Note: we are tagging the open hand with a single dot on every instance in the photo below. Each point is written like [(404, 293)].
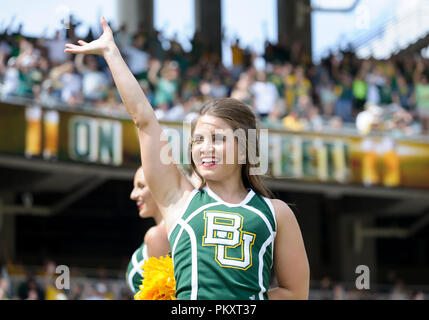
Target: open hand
[(99, 46)]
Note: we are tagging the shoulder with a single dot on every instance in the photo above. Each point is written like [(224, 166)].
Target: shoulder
[(155, 234), (178, 205), (282, 211), (156, 240), (155, 231)]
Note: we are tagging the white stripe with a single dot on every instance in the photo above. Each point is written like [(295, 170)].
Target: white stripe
[(184, 226), (262, 216), (138, 265), (231, 205), (185, 207), (193, 214), (137, 268), (273, 212), (130, 281), (214, 196), (263, 249), (194, 279), (261, 267)]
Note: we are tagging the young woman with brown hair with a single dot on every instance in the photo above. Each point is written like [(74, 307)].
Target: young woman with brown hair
[(227, 235)]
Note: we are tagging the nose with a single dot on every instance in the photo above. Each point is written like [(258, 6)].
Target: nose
[(207, 147), (133, 195)]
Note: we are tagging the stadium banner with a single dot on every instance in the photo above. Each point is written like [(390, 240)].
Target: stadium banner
[(76, 136)]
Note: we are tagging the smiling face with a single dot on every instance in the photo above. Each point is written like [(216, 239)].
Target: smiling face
[(143, 197), (225, 145), (215, 150)]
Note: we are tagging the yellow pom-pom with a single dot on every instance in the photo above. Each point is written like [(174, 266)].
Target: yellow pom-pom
[(158, 280)]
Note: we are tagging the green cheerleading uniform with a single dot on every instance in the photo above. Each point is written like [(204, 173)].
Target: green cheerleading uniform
[(223, 251), (134, 274)]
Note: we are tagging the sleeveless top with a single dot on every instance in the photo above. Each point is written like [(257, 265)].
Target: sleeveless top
[(134, 273), (223, 251)]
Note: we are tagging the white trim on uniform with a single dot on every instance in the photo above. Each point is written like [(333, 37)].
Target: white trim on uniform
[(194, 277), (219, 199), (137, 267), (185, 226), (261, 266), (273, 212), (193, 214), (262, 216), (145, 254), (267, 242), (185, 207)]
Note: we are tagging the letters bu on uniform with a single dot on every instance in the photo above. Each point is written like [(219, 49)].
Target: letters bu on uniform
[(224, 231)]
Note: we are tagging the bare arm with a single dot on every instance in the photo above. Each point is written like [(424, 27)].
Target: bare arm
[(166, 182), (157, 241), (290, 259)]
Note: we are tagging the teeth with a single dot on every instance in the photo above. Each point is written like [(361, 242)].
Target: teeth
[(210, 161), (140, 203)]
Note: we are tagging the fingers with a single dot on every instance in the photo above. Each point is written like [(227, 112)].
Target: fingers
[(71, 48), (104, 24)]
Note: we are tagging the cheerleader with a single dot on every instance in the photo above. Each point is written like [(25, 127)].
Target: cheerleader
[(227, 234)]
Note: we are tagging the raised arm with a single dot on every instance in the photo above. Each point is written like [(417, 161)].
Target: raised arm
[(166, 182)]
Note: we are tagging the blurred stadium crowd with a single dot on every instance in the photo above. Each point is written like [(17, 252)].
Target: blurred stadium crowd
[(283, 86), (19, 283), (287, 91)]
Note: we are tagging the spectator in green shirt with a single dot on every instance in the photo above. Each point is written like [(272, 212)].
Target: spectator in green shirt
[(360, 88), (422, 102)]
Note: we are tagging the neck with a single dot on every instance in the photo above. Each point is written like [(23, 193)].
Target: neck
[(229, 191), (157, 217)]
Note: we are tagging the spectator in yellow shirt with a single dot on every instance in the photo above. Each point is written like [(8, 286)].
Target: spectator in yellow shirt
[(237, 59), (296, 85), (292, 122)]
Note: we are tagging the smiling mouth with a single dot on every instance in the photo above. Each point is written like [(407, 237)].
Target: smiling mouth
[(208, 163), (140, 205)]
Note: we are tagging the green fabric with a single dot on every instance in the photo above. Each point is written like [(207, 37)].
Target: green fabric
[(165, 91), (133, 276), (359, 89), (26, 82), (229, 248), (422, 96)]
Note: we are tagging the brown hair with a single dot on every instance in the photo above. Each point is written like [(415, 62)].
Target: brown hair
[(238, 116)]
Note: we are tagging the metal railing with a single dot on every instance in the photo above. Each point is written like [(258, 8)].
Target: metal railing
[(366, 41)]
